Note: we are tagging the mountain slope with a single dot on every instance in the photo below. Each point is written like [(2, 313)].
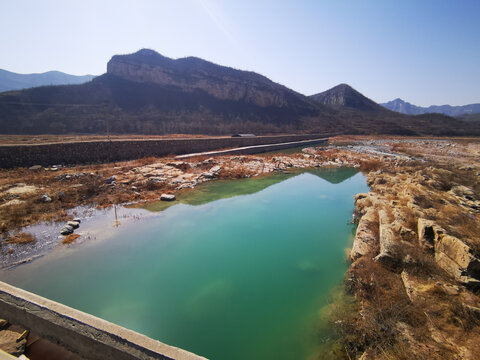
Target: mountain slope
[(13, 81), (149, 93), (346, 96), (404, 107)]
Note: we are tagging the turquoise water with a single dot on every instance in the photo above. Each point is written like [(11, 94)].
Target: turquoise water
[(242, 277)]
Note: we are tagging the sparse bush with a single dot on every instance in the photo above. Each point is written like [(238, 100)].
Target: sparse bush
[(20, 238)]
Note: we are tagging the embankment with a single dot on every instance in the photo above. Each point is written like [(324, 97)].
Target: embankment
[(117, 150)]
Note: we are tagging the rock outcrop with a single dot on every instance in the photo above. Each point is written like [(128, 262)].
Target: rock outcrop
[(387, 242), (366, 236), (451, 254)]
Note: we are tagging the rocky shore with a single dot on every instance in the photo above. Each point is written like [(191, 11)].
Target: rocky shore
[(415, 271)]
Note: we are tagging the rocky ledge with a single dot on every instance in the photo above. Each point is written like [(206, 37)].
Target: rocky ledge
[(415, 269)]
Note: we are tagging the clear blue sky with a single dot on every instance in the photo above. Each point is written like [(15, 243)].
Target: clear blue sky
[(424, 51)]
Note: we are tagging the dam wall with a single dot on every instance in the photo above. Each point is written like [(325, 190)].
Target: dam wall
[(118, 150)]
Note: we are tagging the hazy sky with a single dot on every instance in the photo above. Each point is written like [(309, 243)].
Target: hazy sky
[(423, 51)]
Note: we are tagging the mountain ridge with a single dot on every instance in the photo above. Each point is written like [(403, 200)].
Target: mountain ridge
[(14, 81), (405, 107), (148, 93)]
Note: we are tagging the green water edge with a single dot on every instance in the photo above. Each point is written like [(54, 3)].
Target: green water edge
[(339, 305), (311, 337)]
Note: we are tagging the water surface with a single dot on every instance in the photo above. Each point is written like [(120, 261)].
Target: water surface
[(237, 271)]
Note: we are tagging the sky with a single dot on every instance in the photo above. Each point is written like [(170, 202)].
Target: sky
[(426, 52)]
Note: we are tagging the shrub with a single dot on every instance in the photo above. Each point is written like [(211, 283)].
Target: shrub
[(21, 238)]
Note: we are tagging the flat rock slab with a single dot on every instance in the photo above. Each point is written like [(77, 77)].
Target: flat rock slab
[(22, 189)]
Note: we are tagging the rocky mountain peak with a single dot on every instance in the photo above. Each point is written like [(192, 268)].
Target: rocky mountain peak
[(346, 96)]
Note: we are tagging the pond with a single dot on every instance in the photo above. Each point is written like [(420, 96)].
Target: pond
[(235, 270)]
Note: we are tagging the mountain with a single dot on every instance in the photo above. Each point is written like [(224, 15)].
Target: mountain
[(346, 96), (147, 93), (404, 107), (13, 81), (191, 74)]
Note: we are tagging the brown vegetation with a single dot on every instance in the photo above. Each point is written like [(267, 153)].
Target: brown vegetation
[(70, 238), (20, 238)]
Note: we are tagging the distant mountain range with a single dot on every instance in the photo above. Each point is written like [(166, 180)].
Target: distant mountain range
[(404, 107), (148, 93), (13, 81)]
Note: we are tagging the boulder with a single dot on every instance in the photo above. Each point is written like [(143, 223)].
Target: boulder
[(45, 198), (215, 170), (35, 167), (110, 180), (457, 258), (61, 196), (73, 224), (167, 197), (66, 230)]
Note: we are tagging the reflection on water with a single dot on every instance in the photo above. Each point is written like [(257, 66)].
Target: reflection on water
[(229, 277), (222, 189)]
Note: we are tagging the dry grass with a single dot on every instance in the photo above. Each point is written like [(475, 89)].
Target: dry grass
[(21, 238), (371, 165), (70, 238)]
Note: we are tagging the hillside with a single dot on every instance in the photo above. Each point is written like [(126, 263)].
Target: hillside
[(147, 93), (404, 107), (346, 96), (13, 81)]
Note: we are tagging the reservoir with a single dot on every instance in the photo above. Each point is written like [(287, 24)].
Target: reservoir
[(234, 270)]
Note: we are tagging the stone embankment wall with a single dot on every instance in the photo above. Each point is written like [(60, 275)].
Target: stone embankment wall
[(83, 334), (107, 151)]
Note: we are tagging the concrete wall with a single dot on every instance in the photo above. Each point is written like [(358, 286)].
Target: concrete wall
[(258, 148), (107, 151), (81, 333)]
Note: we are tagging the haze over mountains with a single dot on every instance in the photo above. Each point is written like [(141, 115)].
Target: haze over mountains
[(13, 81), (406, 108), (148, 93)]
